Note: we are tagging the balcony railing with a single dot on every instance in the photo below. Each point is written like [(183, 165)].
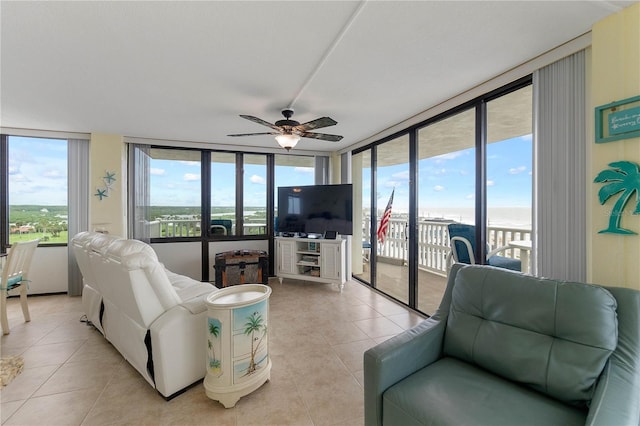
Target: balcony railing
[(433, 242), (433, 239)]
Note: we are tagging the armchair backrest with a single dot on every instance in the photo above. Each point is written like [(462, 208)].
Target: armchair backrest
[(458, 233), (553, 336)]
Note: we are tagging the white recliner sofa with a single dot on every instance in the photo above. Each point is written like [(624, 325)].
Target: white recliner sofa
[(155, 318)]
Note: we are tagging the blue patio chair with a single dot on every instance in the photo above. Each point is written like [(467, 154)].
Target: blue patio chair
[(221, 226), (463, 244)]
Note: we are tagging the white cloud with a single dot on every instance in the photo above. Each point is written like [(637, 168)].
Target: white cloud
[(517, 170), (55, 174), (401, 175), (257, 180), (438, 188), (448, 156), (191, 163), (190, 177), (157, 172), (490, 182), (470, 196)]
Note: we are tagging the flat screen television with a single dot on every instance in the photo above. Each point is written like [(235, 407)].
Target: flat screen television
[(315, 209)]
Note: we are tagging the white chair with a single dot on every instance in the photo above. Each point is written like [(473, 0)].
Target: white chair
[(15, 274)]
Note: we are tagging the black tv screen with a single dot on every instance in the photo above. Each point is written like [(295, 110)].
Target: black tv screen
[(315, 209)]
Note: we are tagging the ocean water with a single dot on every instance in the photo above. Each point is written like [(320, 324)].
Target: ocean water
[(517, 217)]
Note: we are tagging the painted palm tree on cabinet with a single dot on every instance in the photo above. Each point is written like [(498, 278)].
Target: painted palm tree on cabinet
[(623, 178), (255, 324), (214, 363)]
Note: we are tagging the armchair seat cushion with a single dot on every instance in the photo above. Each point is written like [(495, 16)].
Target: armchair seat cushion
[(454, 392), (505, 262)]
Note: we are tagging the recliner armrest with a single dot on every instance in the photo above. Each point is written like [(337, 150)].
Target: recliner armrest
[(397, 358), (617, 396)]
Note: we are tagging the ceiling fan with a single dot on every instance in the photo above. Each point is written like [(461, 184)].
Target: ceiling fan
[(288, 132)]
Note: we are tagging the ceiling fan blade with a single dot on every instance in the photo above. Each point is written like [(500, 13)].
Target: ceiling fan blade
[(322, 136), (316, 124), (255, 134), (260, 121)]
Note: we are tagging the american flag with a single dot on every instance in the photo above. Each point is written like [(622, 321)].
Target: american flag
[(384, 222)]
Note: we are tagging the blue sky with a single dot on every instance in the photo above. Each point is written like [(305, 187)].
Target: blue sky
[(37, 171), (38, 174), (449, 180), (177, 183)]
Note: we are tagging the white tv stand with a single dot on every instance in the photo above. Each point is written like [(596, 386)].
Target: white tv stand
[(311, 259)]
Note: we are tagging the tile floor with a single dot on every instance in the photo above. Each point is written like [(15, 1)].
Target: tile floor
[(73, 376)]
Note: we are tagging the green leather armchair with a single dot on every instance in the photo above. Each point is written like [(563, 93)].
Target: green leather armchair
[(510, 349)]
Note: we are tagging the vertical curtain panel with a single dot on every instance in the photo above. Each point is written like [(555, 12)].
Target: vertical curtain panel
[(139, 195), (78, 204), (560, 183)]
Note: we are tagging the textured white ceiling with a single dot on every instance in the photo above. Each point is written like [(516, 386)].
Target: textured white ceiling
[(186, 70)]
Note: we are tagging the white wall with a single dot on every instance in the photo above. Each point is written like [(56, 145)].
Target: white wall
[(48, 273), (181, 258), (185, 258)]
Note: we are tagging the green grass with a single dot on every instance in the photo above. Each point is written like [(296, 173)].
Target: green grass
[(47, 238)]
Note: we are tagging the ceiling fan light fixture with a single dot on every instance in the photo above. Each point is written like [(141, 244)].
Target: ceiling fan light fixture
[(287, 140)]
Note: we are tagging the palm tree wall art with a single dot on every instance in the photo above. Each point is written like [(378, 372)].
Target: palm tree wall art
[(622, 178)]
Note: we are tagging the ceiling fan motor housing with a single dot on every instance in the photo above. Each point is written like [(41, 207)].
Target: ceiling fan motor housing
[(287, 123)]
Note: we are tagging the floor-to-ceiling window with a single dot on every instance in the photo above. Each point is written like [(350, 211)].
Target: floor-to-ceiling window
[(37, 190), (189, 195), (362, 240), (254, 216), (174, 193), (510, 174), (446, 194), (223, 194), (391, 227), (472, 166)]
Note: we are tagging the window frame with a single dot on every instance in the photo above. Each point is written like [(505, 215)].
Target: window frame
[(479, 104), (4, 190)]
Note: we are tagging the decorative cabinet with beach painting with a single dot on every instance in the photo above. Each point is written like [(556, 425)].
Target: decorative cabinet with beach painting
[(237, 342)]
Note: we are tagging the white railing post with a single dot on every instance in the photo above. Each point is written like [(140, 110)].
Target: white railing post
[(433, 242)]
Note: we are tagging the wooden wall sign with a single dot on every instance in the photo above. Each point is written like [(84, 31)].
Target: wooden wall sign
[(618, 120)]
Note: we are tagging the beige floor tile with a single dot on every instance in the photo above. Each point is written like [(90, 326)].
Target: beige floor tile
[(378, 327), (8, 408), (27, 383), (87, 375), (317, 339), (339, 399), (68, 408), (127, 401), (337, 331), (277, 402), (96, 349), (194, 408), (52, 354), (351, 353), (406, 320)]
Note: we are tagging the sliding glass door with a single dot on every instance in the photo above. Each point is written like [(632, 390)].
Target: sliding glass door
[(446, 194), (468, 166), (392, 218)]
